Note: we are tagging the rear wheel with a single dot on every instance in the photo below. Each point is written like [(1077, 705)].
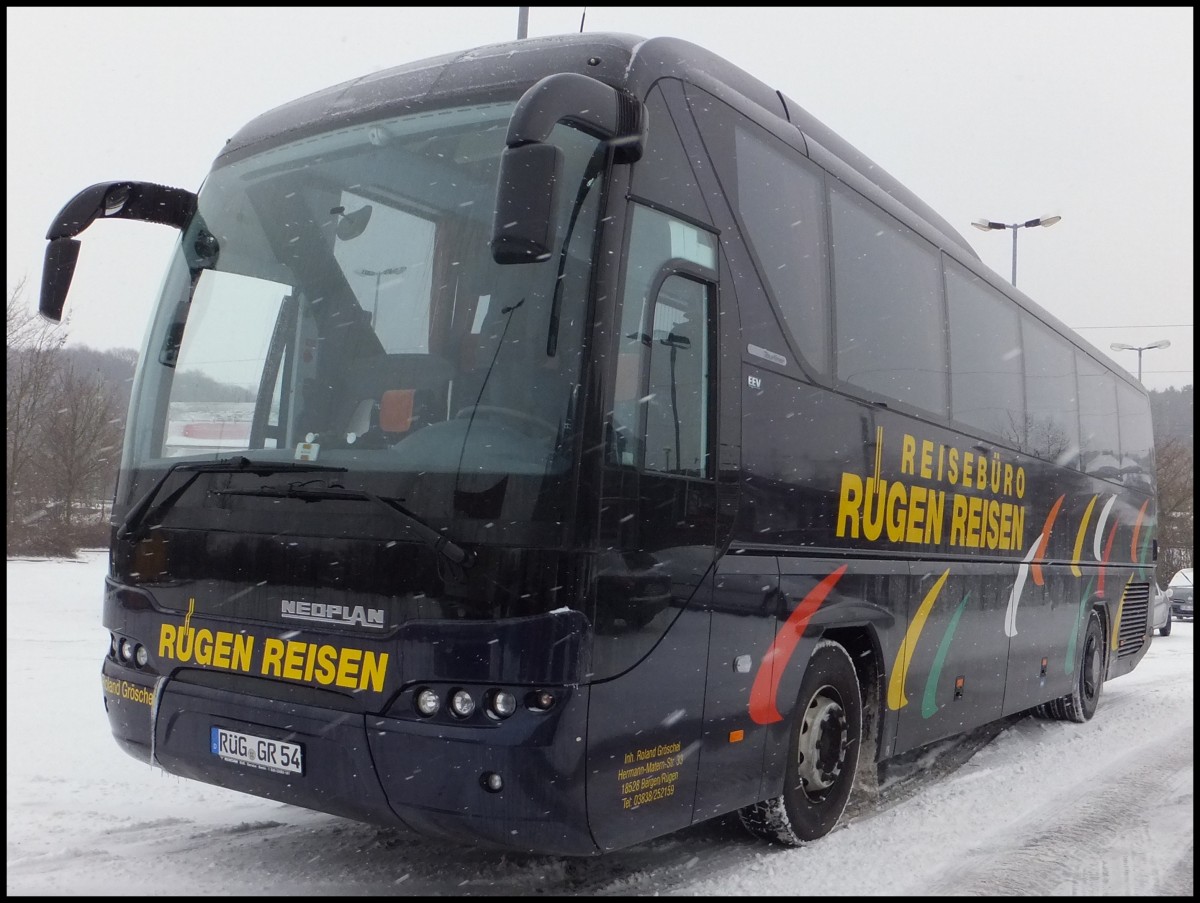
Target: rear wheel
[(823, 752), (1080, 704), (1165, 630)]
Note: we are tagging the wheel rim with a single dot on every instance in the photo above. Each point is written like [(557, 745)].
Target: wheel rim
[(824, 738), (1092, 663)]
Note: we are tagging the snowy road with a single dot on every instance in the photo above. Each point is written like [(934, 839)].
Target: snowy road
[(1024, 808)]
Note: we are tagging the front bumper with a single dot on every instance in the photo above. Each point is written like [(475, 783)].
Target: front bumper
[(390, 771)]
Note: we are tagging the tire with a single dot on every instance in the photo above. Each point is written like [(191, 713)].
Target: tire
[(1165, 630), (823, 750), (1080, 704)]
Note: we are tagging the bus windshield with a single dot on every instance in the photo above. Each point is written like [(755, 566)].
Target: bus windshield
[(334, 300)]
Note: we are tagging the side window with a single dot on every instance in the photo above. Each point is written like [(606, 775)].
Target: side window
[(1051, 400), (662, 403), (1137, 435), (889, 319), (1099, 436), (779, 198), (677, 396), (986, 369), (781, 201)]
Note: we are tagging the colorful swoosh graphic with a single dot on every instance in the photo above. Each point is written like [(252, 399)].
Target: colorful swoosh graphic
[(763, 706), (1014, 597), (895, 694), (929, 704)]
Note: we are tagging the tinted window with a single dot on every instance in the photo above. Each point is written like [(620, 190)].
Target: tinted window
[(1099, 439), (1051, 404), (986, 370), (780, 200), (889, 326), (1137, 434)]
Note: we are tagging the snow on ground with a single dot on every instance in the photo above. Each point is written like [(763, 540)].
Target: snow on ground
[(1025, 807)]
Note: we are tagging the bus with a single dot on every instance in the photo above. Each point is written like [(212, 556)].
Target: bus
[(556, 444)]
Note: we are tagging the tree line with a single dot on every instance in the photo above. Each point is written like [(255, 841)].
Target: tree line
[(66, 419)]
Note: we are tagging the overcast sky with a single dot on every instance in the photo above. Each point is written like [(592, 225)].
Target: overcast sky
[(1004, 114)]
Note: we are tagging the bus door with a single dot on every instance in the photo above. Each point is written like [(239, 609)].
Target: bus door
[(657, 537)]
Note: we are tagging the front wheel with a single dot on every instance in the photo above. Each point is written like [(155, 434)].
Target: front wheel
[(823, 752), (1165, 630)]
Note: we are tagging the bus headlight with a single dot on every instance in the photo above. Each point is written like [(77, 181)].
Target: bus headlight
[(428, 702), (461, 703), (127, 650), (501, 703), (141, 655)]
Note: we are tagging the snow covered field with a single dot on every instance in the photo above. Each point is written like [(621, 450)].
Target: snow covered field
[(1026, 807)]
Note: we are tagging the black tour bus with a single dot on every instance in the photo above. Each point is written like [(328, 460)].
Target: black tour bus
[(559, 443)]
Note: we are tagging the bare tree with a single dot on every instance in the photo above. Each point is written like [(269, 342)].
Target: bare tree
[(33, 346), (1175, 460), (82, 440)]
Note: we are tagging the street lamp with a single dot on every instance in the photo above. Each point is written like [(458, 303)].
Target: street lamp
[(379, 274), (987, 225), (1121, 346)]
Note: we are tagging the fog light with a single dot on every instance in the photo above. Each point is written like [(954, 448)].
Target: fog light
[(428, 702), (141, 656), (502, 703), (461, 703), (541, 700), (491, 781), (112, 645), (126, 650)]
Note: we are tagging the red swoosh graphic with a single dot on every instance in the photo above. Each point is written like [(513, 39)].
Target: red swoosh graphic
[(1036, 569), (1137, 529), (766, 682), (1112, 534)]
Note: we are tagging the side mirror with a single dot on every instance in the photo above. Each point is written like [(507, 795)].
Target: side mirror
[(142, 201), (530, 169), (524, 224)]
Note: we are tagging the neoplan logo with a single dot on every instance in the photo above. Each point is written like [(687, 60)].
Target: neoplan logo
[(341, 615)]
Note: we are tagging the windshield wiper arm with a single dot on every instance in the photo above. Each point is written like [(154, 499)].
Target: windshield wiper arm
[(443, 545), (140, 513)]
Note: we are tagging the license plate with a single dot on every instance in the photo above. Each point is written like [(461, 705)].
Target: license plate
[(258, 752)]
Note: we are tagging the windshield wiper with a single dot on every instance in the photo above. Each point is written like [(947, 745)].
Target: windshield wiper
[(443, 545), (140, 513)]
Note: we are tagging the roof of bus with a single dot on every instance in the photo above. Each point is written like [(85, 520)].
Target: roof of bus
[(626, 61)]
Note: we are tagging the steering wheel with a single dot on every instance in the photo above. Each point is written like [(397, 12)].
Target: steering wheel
[(520, 417)]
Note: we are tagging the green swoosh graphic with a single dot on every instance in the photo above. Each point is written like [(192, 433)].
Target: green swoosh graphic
[(929, 700), (1087, 593)]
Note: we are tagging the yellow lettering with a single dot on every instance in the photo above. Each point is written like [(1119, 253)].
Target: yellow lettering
[(166, 641), (848, 504), (933, 522), (927, 459), (908, 449), (347, 670), (373, 671), (916, 512), (243, 649), (326, 669), (952, 474), (220, 654), (293, 660), (204, 641), (309, 660), (896, 512), (272, 660), (874, 509), (974, 521), (958, 521)]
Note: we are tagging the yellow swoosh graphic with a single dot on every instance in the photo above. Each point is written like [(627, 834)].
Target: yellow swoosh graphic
[(896, 698)]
